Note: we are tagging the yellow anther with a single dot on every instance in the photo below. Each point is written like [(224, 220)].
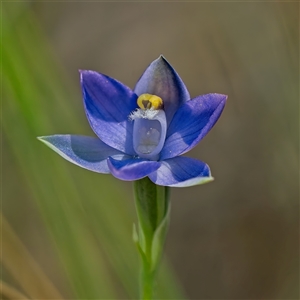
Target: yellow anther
[(147, 101)]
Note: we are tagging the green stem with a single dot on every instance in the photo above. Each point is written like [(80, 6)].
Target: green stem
[(147, 282), (152, 206)]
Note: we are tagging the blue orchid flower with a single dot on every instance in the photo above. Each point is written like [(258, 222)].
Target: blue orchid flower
[(142, 132)]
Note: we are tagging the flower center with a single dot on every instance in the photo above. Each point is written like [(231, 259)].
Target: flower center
[(150, 126)]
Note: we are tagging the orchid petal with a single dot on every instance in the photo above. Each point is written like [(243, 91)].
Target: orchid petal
[(87, 152), (181, 172), (132, 169), (191, 123), (162, 80), (108, 103)]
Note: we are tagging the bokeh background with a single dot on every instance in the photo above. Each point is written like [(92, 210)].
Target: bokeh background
[(66, 232)]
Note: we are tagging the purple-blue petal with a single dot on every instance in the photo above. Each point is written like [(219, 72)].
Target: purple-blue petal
[(87, 152), (132, 169), (108, 104), (192, 121), (162, 80), (181, 172)]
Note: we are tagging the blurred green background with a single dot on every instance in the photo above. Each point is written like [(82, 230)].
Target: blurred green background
[(235, 238)]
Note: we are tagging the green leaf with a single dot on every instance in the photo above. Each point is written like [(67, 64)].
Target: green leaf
[(160, 237)]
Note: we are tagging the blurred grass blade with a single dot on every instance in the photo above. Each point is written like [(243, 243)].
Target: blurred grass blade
[(50, 184), (8, 292), (17, 260)]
